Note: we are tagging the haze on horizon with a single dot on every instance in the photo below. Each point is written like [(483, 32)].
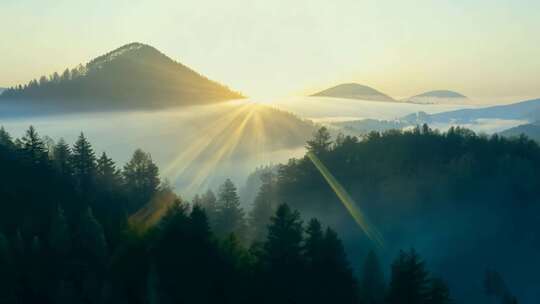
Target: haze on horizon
[(487, 50)]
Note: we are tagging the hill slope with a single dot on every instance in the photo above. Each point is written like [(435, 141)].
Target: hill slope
[(532, 131), (354, 91), (133, 76)]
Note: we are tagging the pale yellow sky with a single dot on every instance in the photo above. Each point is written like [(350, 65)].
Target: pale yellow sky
[(488, 50)]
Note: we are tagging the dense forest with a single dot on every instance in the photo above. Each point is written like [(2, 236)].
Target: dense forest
[(76, 228), (468, 202), (125, 78)]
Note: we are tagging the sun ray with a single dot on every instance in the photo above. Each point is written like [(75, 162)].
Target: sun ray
[(351, 206)]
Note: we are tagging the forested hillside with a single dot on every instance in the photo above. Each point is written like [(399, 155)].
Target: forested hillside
[(462, 199), (133, 76), (75, 228)]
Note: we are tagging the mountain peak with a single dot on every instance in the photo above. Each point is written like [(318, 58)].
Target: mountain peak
[(132, 76), (353, 90), (437, 96), (441, 94)]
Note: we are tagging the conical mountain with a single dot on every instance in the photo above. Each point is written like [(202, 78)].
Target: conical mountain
[(438, 96), (133, 76), (354, 91)]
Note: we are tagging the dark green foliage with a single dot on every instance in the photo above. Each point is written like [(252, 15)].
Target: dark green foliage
[(141, 177), (321, 141), (83, 162), (264, 206), (438, 292), (66, 239), (409, 282), (372, 284), (229, 215)]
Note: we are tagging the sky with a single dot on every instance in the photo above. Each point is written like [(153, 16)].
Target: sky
[(487, 50)]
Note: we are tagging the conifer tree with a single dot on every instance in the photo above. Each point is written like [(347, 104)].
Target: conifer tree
[(372, 285), (208, 202), (141, 177), (409, 281), (264, 206), (5, 139), (106, 172), (61, 156), (282, 260), (230, 216), (321, 142), (33, 147), (83, 162)]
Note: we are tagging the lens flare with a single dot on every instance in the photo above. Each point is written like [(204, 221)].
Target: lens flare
[(358, 216)]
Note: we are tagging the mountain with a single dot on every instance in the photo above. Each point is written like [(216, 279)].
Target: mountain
[(531, 130), (2, 89), (133, 76), (438, 96), (525, 110), (354, 91)]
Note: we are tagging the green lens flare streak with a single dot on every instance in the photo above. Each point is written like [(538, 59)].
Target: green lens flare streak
[(347, 201)]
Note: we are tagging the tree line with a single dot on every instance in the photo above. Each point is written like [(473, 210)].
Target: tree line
[(442, 191), (68, 234)]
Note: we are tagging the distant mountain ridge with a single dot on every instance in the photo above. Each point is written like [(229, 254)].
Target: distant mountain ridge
[(132, 76), (354, 91), (524, 110), (531, 130), (437, 96)]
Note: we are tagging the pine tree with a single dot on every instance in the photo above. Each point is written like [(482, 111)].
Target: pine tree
[(141, 177), (372, 285), (321, 142), (283, 244), (230, 216), (62, 158), (264, 206), (208, 202), (5, 139), (199, 223), (33, 147), (409, 282), (282, 260), (83, 162), (314, 241), (106, 172)]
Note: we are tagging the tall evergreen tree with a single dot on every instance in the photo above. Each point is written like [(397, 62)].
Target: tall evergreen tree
[(282, 259), (83, 162), (321, 141), (208, 202), (230, 216), (61, 156), (106, 172), (264, 206), (409, 282), (141, 177), (33, 147), (5, 138), (372, 284)]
